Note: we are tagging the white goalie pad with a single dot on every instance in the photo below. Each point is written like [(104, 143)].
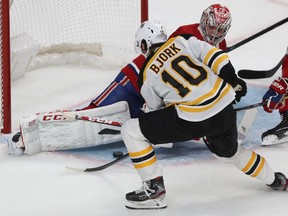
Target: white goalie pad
[(51, 131)]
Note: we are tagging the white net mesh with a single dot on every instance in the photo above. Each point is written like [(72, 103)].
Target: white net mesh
[(83, 31), (84, 24)]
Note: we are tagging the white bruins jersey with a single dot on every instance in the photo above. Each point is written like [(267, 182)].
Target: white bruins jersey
[(184, 73)]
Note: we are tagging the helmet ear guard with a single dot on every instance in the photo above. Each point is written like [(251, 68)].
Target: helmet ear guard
[(150, 33), (144, 47)]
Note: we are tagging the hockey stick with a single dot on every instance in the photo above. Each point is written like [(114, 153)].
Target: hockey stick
[(71, 116), (118, 124), (109, 131), (243, 129), (247, 120), (259, 74), (250, 106), (257, 35), (99, 167), (97, 120), (246, 123)]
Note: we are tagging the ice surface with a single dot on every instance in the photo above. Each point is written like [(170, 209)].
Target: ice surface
[(197, 183)]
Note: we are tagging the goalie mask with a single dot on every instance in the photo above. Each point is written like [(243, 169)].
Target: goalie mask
[(215, 23), (150, 33)]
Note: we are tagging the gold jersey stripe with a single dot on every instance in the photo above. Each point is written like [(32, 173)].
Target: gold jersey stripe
[(218, 61), (186, 108), (209, 54), (210, 94)]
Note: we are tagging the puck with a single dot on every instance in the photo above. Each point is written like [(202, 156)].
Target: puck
[(117, 154)]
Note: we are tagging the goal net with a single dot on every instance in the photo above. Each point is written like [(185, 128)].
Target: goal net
[(53, 32)]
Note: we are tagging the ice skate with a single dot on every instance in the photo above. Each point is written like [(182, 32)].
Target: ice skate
[(15, 145), (149, 196), (280, 182), (278, 134)]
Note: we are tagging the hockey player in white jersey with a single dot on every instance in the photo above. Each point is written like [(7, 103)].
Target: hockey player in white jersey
[(189, 87)]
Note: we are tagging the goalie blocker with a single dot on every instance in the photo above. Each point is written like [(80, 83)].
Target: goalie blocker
[(53, 131)]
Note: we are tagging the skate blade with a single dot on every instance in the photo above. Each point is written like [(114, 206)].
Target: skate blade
[(273, 140), (147, 205)]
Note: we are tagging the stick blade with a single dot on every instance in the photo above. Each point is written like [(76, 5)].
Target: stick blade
[(109, 131), (98, 168), (76, 169), (251, 74), (92, 169), (246, 123), (260, 74)]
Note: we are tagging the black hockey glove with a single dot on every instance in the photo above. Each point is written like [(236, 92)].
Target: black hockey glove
[(240, 89)]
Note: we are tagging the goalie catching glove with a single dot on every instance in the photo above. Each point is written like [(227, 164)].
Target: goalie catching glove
[(273, 98)]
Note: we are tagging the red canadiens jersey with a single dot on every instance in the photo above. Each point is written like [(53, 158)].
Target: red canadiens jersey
[(285, 67), (132, 70), (193, 29)]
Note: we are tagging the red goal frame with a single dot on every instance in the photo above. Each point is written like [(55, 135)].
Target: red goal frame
[(5, 58)]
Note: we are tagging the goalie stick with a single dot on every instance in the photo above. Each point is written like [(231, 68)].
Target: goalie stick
[(109, 131), (259, 74), (250, 106), (71, 116), (113, 131), (118, 124), (246, 123), (243, 129)]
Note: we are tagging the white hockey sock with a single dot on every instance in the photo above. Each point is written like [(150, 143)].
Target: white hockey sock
[(141, 151), (253, 164)]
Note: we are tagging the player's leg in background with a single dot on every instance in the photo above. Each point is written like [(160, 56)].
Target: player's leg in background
[(121, 89)]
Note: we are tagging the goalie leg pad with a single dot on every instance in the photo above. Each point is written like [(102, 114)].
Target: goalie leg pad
[(51, 131)]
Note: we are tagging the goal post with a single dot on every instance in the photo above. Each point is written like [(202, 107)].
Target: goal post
[(5, 84), (41, 33), (144, 10)]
